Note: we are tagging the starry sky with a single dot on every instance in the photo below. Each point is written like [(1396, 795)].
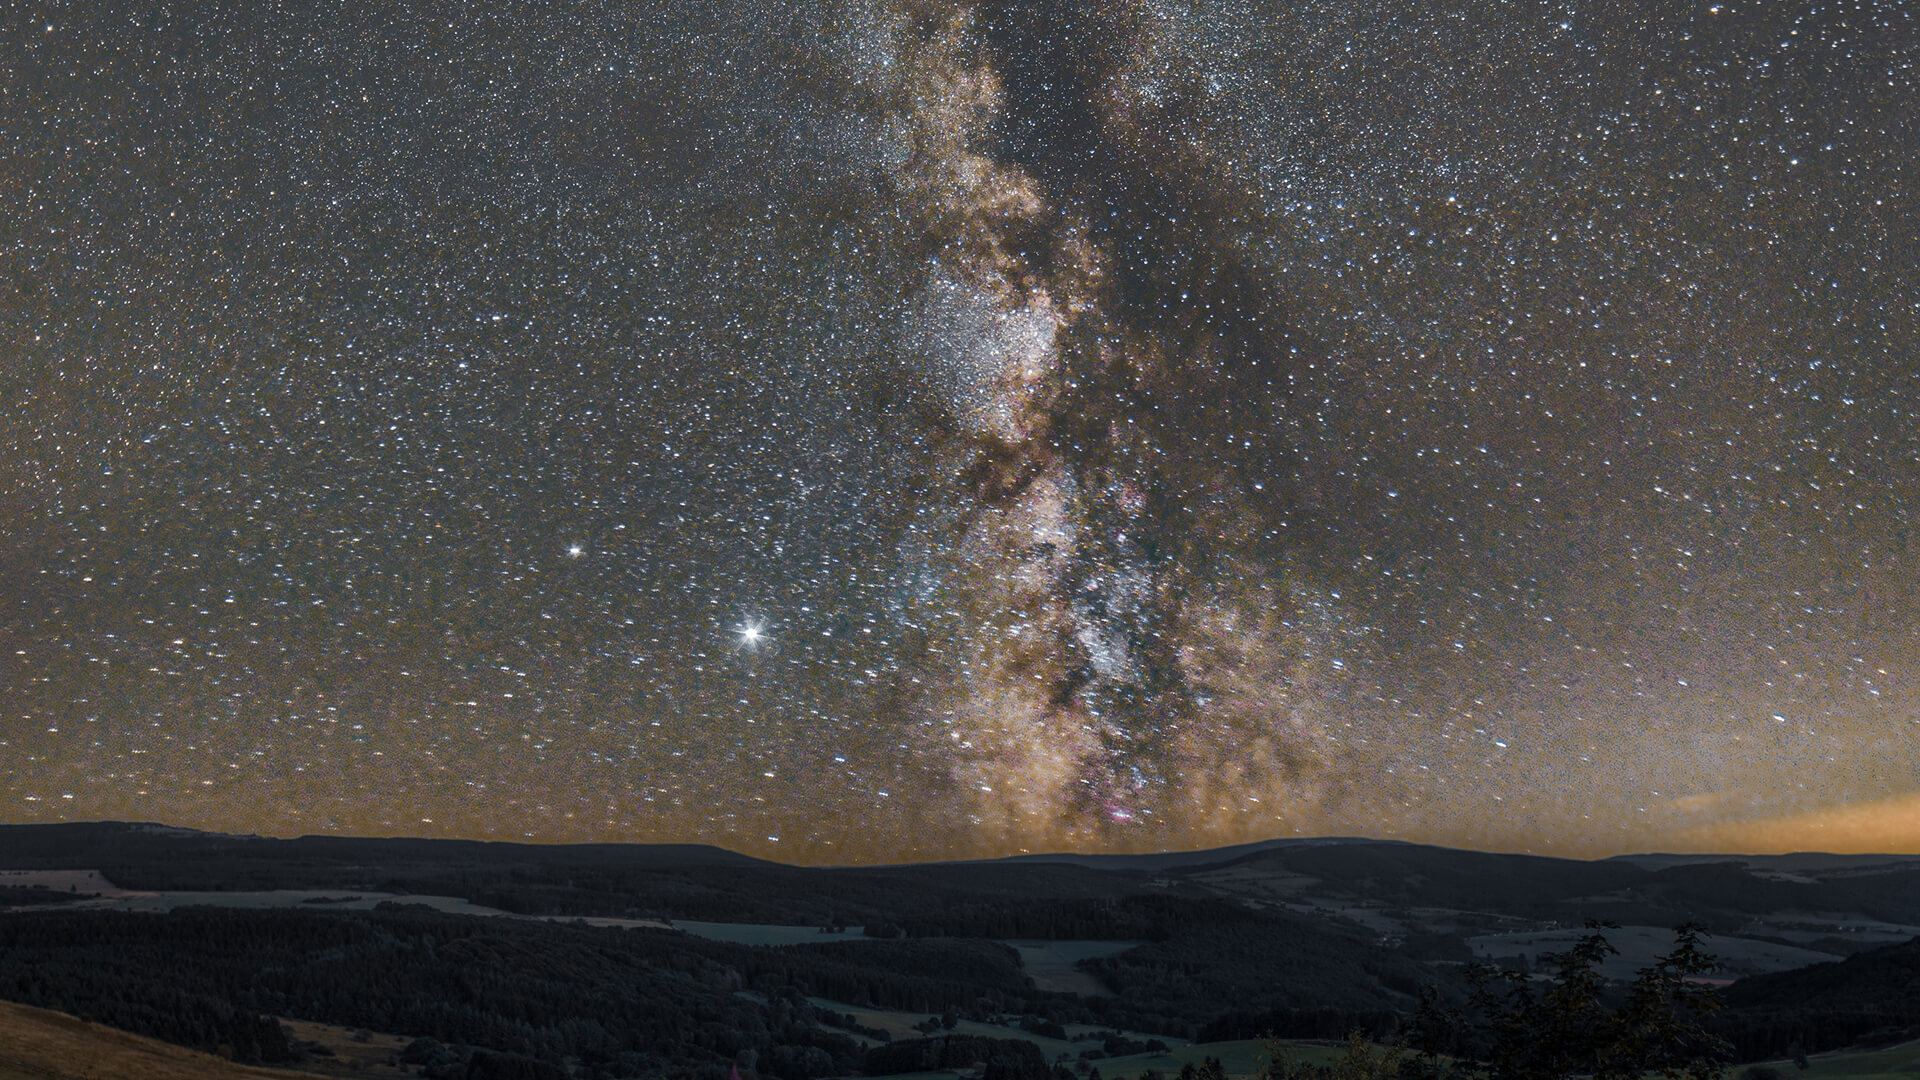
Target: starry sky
[(881, 430)]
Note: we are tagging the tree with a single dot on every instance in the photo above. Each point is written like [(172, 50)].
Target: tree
[(1512, 1028)]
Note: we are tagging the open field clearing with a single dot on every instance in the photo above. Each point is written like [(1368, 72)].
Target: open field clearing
[(900, 1025), (1050, 964), (1851, 932), (1240, 1057), (356, 1053), (1894, 1063), (79, 882), (112, 899), (767, 933), (1640, 946)]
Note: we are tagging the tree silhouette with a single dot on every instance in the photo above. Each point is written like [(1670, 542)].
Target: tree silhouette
[(1513, 1028)]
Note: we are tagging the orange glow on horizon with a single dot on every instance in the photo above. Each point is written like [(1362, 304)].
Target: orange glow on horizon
[(1889, 826)]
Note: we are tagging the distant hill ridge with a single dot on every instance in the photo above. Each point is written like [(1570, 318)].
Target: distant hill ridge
[(1301, 935), (66, 840), (69, 843), (1794, 862), (1356, 880), (1163, 860)]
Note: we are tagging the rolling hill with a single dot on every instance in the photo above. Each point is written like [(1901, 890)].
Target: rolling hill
[(547, 954)]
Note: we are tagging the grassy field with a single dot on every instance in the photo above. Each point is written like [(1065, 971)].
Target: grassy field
[(355, 1053), (1898, 1063), (36, 1044), (900, 1026), (766, 933), (1050, 964), (1240, 1059), (1640, 946)]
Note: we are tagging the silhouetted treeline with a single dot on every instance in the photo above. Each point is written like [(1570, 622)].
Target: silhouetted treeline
[(1302, 1024), (618, 1002), (559, 991), (929, 901), (625, 1002), (24, 895), (1262, 962), (1143, 918), (674, 881), (1870, 997), (1006, 1059)]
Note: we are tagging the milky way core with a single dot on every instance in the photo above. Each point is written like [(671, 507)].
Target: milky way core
[(875, 430), (1112, 640)]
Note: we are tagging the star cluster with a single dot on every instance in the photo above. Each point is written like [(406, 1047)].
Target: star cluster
[(874, 430)]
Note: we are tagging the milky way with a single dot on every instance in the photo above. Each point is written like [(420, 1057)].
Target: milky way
[(883, 430), (1113, 642)]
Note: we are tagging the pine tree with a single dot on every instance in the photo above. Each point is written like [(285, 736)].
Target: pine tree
[(1513, 1030)]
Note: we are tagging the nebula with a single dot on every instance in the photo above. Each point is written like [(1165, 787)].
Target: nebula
[(1113, 637)]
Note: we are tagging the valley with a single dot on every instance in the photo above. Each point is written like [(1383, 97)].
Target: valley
[(608, 961)]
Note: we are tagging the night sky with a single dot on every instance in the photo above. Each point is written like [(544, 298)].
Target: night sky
[(865, 430)]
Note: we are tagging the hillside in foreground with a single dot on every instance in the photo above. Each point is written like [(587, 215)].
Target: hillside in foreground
[(36, 1044)]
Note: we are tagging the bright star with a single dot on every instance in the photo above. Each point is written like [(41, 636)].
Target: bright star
[(576, 550), (752, 633)]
